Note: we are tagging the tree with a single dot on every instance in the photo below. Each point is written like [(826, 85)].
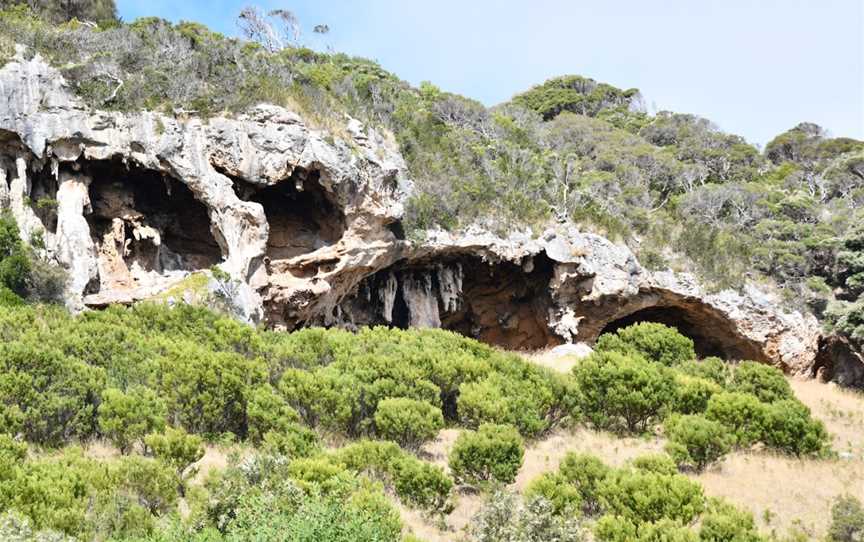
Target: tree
[(492, 453), (125, 418), (176, 449)]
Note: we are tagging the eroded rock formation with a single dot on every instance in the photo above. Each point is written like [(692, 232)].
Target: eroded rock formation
[(308, 226)]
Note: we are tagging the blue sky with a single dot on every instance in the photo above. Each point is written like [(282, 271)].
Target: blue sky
[(755, 67)]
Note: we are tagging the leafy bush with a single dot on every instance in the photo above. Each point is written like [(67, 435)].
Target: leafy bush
[(653, 341), (616, 389), (414, 481), (176, 448), (656, 463), (765, 382), (847, 520), (293, 440), (621, 529), (268, 411), (125, 418), (407, 421), (695, 441), (564, 497), (46, 396), (585, 472), (723, 522), (492, 453), (644, 496), (711, 368), (789, 427), (693, 394), (742, 414)]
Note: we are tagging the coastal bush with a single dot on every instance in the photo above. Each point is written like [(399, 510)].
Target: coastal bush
[(619, 391), (126, 417), (650, 340), (407, 421), (765, 382), (696, 441), (493, 453)]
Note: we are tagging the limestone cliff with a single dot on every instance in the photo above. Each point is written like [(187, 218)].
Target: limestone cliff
[(308, 224)]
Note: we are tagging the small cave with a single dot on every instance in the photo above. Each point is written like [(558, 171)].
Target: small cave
[(143, 220), (712, 334), (303, 217), (503, 304), (43, 196)]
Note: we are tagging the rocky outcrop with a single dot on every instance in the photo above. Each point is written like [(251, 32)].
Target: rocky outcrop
[(308, 227)]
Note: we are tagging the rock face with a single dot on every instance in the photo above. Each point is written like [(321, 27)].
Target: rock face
[(308, 227)]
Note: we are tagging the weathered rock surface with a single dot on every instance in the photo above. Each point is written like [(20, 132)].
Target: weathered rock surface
[(308, 227)]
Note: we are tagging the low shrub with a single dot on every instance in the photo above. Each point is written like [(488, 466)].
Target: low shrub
[(653, 341), (722, 522), (656, 463), (493, 453), (407, 421), (561, 494), (620, 391), (847, 520), (176, 448), (268, 411), (695, 441), (711, 368), (790, 428), (585, 472), (765, 382), (294, 440), (693, 393), (742, 414), (643, 496), (126, 417)]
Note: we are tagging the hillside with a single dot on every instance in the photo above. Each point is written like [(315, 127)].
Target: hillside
[(253, 291)]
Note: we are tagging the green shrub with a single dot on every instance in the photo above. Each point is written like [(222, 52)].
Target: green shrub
[(207, 391), (765, 382), (656, 463), (723, 522), (653, 341), (585, 472), (407, 421), (414, 481), (176, 448), (268, 411), (294, 440), (616, 389), (561, 494), (125, 418), (693, 394), (621, 529), (492, 453), (711, 368), (643, 496), (695, 441), (847, 520), (790, 428), (46, 396), (742, 414)]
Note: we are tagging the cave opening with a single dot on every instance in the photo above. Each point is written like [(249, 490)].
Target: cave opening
[(500, 303), (712, 335), (144, 220), (43, 196), (303, 217)]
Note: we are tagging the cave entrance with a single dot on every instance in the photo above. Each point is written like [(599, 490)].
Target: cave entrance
[(145, 221), (712, 335), (302, 216), (500, 303)]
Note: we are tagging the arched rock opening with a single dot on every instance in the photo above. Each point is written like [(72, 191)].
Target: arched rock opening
[(143, 222), (712, 334), (302, 215), (499, 303)]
